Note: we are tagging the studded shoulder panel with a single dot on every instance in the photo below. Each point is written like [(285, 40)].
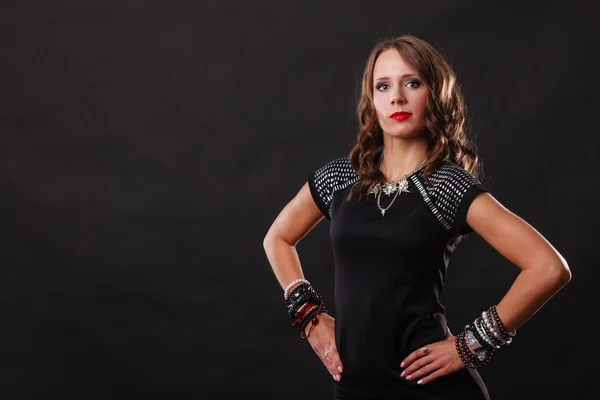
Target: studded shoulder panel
[(448, 193), (334, 176)]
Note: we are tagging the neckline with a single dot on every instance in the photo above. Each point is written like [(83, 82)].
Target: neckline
[(407, 175)]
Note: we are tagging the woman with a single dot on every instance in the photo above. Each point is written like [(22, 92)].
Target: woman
[(398, 205)]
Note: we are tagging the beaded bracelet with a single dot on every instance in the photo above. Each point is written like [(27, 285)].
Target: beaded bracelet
[(299, 295), (469, 359), (309, 312), (304, 305), (507, 336), (487, 329), (499, 333), (314, 320), (302, 312), (296, 293), (483, 336), (285, 292), (482, 333), (307, 296)]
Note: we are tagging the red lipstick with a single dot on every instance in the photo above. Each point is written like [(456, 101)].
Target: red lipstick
[(400, 116)]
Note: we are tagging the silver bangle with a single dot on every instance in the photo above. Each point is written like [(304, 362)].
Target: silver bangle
[(503, 338), (490, 323), (484, 334), (285, 292)]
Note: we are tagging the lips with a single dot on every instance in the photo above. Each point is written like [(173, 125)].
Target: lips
[(399, 116)]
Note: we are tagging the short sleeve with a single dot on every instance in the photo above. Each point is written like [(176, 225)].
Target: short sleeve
[(454, 189), (324, 182)]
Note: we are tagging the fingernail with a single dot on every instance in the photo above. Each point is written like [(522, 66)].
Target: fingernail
[(408, 377), (336, 377), (420, 381), (403, 373), (340, 368), (402, 365)]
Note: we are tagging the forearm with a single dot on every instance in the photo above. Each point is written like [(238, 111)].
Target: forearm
[(284, 260), (530, 291), (285, 263)]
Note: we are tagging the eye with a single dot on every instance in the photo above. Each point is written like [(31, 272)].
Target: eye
[(380, 85), (415, 83)]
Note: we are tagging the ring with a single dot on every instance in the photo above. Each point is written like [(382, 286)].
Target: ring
[(327, 353), (424, 349)]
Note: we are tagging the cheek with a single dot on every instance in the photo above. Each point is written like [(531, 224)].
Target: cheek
[(378, 103), (381, 110), (422, 101)]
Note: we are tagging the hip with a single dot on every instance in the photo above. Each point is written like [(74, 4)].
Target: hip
[(465, 384)]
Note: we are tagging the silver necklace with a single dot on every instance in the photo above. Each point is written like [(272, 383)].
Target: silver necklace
[(397, 187)]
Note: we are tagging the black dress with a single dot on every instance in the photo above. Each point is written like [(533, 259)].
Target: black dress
[(389, 273)]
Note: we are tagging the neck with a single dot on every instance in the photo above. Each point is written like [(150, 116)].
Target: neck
[(401, 158)]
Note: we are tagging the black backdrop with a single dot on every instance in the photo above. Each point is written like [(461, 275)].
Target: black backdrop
[(147, 146)]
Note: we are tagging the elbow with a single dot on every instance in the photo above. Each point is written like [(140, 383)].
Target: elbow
[(565, 274), (561, 272), (275, 237), (268, 241), (554, 273)]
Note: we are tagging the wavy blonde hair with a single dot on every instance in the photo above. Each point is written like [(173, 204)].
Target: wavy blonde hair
[(444, 113)]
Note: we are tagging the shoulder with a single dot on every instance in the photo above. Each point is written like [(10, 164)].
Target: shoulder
[(335, 175), (448, 191), (449, 176), (335, 171)]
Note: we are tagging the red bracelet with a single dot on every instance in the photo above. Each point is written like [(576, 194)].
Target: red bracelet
[(306, 307), (314, 321)]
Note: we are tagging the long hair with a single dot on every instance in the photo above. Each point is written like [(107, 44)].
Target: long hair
[(444, 113)]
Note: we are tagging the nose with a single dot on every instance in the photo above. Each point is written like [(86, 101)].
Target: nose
[(398, 96)]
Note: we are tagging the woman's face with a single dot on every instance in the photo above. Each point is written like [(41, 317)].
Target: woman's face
[(397, 88)]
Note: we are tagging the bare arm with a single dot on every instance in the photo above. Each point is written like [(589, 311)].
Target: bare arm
[(294, 222), (543, 270)]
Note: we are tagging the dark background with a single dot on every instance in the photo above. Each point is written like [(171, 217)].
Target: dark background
[(146, 147)]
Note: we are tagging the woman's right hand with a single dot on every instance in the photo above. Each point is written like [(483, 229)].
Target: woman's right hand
[(322, 341)]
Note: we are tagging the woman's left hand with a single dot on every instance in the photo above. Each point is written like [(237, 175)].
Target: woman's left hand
[(441, 358)]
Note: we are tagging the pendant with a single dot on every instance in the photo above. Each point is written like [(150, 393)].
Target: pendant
[(403, 186), (375, 189), (389, 188), (383, 212)]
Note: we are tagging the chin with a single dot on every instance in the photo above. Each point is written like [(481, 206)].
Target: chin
[(404, 133)]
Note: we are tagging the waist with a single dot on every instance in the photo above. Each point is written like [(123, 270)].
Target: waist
[(375, 352), (464, 384)]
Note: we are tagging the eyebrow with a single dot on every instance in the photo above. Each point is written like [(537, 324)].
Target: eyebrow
[(382, 78)]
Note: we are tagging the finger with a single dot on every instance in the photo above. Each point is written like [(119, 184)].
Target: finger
[(425, 370), (328, 359), (335, 360), (416, 365), (432, 376), (415, 355), (334, 363)]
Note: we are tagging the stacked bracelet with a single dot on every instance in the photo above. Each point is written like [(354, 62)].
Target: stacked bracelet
[(304, 305), (287, 289), (477, 343), (468, 358)]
